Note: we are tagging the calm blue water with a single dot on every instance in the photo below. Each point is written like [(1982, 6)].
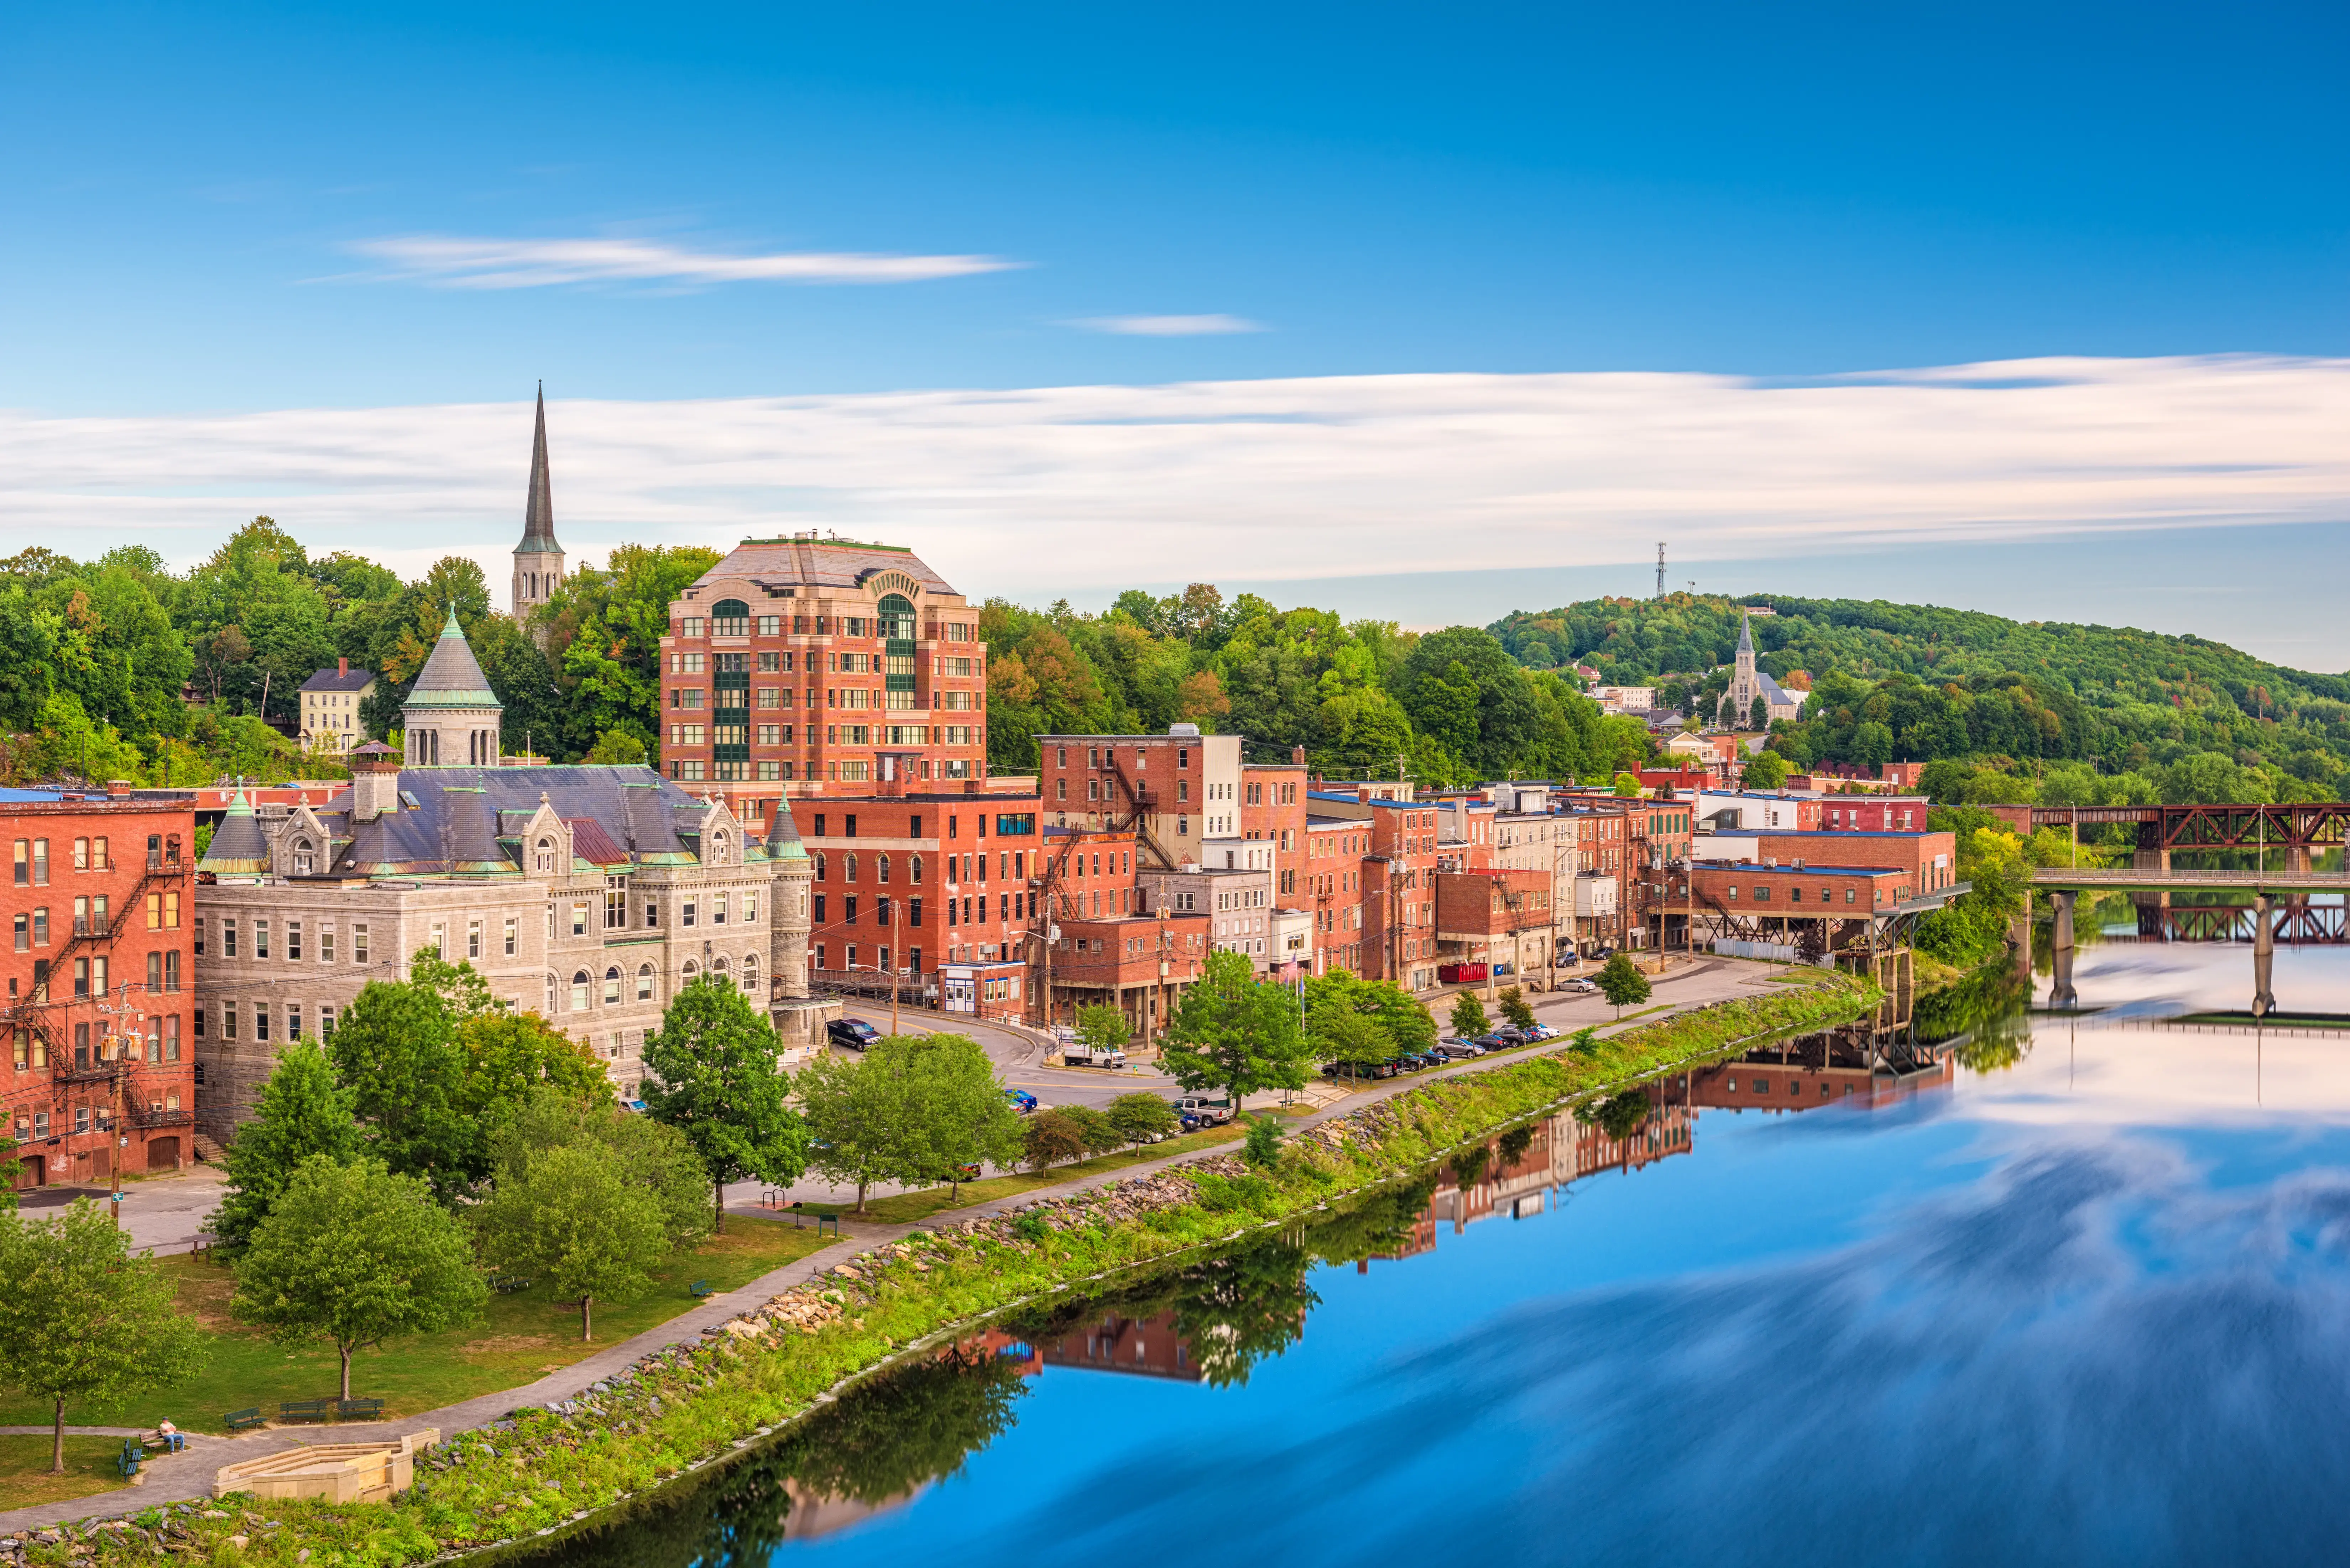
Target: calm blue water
[(2090, 1306)]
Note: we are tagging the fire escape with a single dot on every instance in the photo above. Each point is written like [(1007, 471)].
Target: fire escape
[(88, 936)]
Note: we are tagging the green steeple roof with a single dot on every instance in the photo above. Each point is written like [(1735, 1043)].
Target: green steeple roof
[(452, 677)]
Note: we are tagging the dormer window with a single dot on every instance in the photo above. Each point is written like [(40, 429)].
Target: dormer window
[(717, 849), (302, 857), (545, 855)]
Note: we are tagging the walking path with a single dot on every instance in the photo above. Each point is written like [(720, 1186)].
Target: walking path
[(175, 1478)]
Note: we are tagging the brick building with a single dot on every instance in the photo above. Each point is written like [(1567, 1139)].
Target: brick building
[(101, 1064), (1238, 900), (1273, 808), (908, 884), (1872, 814), (1399, 893), (1140, 964), (1501, 918), (808, 666), (1174, 790), (1337, 836), (1928, 861)]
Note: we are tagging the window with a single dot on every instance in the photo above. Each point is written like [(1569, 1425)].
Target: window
[(293, 1021), (260, 1021), (292, 940), (645, 983), (580, 992), (750, 909), (543, 855), (612, 986), (686, 913), (751, 974), (228, 939), (82, 855), (305, 859), (358, 943), (513, 935), (440, 943), (40, 863), (579, 918), (172, 971), (24, 863)]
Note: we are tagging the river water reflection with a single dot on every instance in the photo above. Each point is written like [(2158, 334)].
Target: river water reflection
[(2067, 1292)]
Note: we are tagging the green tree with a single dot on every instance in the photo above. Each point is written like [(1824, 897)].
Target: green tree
[(82, 1320), (1765, 770), (9, 1170), (1235, 1031), (1469, 1019), (1757, 713), (355, 1254), (959, 1115), (1627, 787), (1143, 1117), (395, 1049), (510, 1055), (570, 1216), (1104, 1028), (711, 1074), (1516, 1009), (645, 1152), (857, 1117), (617, 748), (303, 1111), (1101, 1133), (1621, 982)]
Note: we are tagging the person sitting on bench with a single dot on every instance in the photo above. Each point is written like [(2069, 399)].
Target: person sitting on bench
[(167, 1435)]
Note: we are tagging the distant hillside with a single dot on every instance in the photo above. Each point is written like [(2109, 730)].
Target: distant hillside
[(1921, 682)]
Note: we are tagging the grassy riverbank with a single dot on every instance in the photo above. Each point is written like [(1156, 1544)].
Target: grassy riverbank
[(681, 1410)]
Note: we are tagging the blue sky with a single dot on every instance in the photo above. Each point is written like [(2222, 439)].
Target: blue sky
[(244, 209)]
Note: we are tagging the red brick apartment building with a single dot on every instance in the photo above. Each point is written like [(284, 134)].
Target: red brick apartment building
[(1273, 808), (101, 1063), (808, 666)]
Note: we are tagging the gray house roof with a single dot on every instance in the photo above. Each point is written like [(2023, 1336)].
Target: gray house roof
[(452, 677), (339, 681)]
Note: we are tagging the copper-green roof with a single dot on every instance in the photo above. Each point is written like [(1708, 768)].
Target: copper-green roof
[(452, 677)]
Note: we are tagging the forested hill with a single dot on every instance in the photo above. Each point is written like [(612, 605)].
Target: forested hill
[(1923, 682)]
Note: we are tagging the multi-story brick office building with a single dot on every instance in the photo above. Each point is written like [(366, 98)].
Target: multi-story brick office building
[(910, 883), (1273, 808), (1174, 790), (589, 895), (1399, 893), (100, 1067), (809, 666)]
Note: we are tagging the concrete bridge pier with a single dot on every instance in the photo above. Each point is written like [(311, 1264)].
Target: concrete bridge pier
[(2061, 951), (2019, 936), (2155, 858), (2263, 955)]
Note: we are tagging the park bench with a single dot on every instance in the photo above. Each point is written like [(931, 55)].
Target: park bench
[(170, 1442), (699, 1289), (128, 1461), (345, 1409), (506, 1284), (306, 1410), (244, 1420)]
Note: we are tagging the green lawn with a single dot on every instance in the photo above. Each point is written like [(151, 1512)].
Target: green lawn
[(520, 1337), (904, 1207), (24, 1478)]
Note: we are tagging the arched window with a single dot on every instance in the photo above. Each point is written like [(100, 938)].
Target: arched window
[(612, 986), (852, 866), (550, 995), (820, 864), (897, 615), (546, 855), (730, 618), (717, 849), (580, 990), (645, 984), (916, 873), (750, 974), (718, 967), (692, 971), (302, 857), (882, 868)]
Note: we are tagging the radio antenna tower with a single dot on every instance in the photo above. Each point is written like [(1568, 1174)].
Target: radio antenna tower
[(1660, 568)]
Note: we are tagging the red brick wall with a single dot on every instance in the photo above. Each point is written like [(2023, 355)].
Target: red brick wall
[(1272, 806), (1913, 854), (1473, 901), (1821, 886), (966, 858), (1871, 814), (56, 1035)]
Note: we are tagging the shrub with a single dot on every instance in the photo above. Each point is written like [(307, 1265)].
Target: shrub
[(1263, 1148)]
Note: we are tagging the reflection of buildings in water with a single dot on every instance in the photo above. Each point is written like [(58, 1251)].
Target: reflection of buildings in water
[(1670, 1129), (1147, 1346), (1843, 1067)]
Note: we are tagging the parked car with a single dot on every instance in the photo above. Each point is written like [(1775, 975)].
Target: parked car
[(1462, 1050), (853, 1032), (1542, 1032), (1431, 1058), (1022, 1100), (1209, 1112), (1603, 954), (1512, 1034), (1586, 986), (1086, 1056)]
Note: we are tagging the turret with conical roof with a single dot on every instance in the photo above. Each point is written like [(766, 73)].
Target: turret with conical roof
[(538, 559), (451, 714)]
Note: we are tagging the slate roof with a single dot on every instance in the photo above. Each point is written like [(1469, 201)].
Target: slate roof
[(469, 821), (452, 677), (538, 508), (338, 680), (820, 563), (238, 848)]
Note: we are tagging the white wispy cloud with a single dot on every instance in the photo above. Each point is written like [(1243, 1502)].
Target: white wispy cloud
[(1056, 490), (458, 262), (1170, 325)]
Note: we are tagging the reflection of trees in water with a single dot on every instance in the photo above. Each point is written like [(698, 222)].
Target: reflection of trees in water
[(1231, 1312), (1620, 1116), (881, 1442), (1984, 1016)]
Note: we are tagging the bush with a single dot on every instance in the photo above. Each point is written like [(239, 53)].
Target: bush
[(1263, 1148), (1031, 1227), (1517, 1009), (1468, 1019)]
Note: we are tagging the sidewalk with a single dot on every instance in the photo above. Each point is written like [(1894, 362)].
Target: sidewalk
[(181, 1478)]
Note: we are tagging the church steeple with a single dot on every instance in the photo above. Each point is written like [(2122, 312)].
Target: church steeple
[(538, 559)]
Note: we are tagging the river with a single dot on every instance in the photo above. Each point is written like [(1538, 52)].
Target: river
[(2072, 1291)]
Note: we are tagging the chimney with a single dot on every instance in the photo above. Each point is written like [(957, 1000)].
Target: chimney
[(1298, 756), (342, 667), (118, 789), (375, 782)]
